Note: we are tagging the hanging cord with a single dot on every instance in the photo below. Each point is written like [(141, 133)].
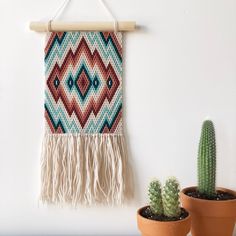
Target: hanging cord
[(66, 2), (60, 9), (108, 10)]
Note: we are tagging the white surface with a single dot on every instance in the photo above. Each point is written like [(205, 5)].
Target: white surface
[(179, 68)]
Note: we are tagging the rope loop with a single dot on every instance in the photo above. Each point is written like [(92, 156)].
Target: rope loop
[(66, 2)]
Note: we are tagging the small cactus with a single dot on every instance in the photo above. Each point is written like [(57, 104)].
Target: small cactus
[(155, 198), (207, 160), (170, 198), (165, 201)]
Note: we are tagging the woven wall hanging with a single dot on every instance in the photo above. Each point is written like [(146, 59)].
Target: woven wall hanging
[(84, 157)]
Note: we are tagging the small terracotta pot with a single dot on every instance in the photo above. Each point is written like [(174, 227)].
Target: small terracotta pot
[(163, 228), (210, 217)]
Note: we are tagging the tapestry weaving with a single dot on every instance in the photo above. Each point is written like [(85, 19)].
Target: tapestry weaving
[(84, 158)]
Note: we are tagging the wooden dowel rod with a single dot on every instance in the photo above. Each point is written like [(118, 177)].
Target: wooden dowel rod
[(82, 26)]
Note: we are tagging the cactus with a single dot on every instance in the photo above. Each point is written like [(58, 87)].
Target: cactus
[(155, 199), (170, 198), (207, 160)]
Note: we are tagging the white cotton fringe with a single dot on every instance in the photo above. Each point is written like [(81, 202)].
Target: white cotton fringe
[(85, 169)]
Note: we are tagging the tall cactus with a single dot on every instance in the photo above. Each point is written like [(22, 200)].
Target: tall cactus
[(207, 160), (170, 198), (155, 199)]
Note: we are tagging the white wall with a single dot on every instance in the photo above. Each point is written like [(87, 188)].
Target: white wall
[(179, 67)]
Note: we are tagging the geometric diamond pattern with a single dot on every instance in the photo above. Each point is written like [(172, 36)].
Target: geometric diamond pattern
[(83, 82)]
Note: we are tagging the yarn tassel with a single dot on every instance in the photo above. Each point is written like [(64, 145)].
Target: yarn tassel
[(85, 169)]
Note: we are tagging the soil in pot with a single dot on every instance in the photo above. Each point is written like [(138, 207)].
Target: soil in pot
[(147, 213), (219, 196)]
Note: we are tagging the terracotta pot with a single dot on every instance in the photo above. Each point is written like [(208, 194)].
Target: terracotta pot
[(210, 217), (163, 228)]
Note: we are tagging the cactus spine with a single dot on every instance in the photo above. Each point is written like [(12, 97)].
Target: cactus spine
[(155, 199), (207, 160), (170, 198)]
